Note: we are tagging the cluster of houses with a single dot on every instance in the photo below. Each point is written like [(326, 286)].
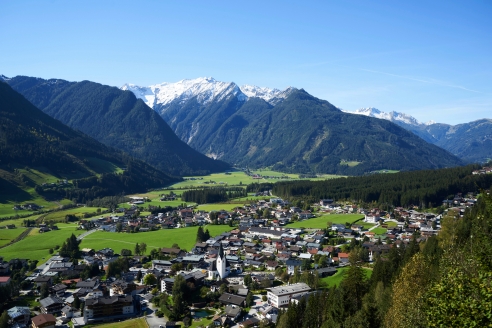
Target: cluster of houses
[(109, 300), (27, 207), (483, 170), (258, 243)]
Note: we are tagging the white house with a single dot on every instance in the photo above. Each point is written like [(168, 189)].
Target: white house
[(280, 296)]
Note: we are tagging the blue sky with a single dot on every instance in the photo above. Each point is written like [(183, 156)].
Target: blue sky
[(429, 59)]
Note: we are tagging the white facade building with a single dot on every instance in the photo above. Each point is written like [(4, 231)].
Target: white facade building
[(280, 296)]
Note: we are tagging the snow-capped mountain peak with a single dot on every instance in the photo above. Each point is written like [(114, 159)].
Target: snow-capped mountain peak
[(205, 89), (272, 96), (391, 116)]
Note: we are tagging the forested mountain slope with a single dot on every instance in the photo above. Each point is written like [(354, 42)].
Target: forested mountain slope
[(117, 119), (306, 134), (288, 130), (30, 139)]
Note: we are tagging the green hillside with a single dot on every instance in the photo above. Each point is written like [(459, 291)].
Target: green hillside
[(40, 155), (306, 134), (117, 119)]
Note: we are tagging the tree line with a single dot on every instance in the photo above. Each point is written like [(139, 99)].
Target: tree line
[(421, 188), (212, 195)]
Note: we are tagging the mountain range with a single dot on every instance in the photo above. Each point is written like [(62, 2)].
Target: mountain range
[(249, 126), (33, 144), (288, 130), (471, 141), (117, 119)]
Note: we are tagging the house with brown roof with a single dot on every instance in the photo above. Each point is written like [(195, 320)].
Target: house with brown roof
[(43, 321), (172, 251)]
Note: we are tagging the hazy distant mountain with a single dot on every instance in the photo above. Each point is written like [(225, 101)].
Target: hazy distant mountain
[(470, 141), (31, 139), (289, 130), (118, 119)]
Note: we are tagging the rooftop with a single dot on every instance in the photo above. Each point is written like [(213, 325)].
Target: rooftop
[(289, 289)]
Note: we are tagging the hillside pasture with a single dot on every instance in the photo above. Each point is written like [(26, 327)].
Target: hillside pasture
[(18, 222), (102, 166), (59, 216), (337, 278), (184, 237), (7, 235), (36, 246)]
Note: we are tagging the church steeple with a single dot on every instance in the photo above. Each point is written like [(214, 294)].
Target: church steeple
[(221, 251), (221, 263)]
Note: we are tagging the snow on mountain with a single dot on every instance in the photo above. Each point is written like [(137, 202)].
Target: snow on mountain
[(144, 93), (272, 96), (4, 78), (205, 89), (391, 116)]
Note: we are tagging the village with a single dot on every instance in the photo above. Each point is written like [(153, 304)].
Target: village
[(239, 278)]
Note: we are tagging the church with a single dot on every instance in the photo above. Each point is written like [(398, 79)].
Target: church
[(220, 268)]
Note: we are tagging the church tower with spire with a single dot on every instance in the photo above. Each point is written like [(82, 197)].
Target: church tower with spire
[(222, 263)]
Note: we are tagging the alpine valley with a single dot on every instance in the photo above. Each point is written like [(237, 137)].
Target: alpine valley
[(248, 126), (288, 130), (117, 119)]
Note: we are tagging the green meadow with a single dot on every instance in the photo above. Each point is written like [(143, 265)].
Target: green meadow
[(133, 323), (59, 216), (379, 231), (321, 222), (7, 206), (184, 237), (18, 222), (236, 178), (35, 246), (7, 235), (337, 278)]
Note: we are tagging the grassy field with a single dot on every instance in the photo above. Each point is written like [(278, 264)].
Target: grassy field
[(7, 207), (133, 323), (391, 224), (233, 178), (337, 278), (239, 178), (36, 246), (320, 222), (204, 322), (6, 235), (59, 216), (184, 237), (379, 231), (18, 222)]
